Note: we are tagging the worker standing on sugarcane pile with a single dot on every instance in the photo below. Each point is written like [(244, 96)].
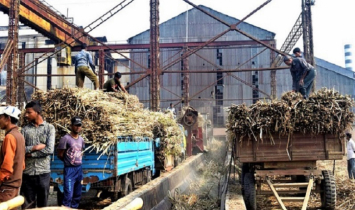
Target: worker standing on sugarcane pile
[(85, 67), (114, 84), (12, 154), (350, 156), (39, 140), (297, 52), (303, 75), (70, 152)]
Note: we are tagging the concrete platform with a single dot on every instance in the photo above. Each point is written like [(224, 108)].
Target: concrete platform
[(155, 193)]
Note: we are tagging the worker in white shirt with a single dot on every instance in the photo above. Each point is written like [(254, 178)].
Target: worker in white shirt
[(351, 156), (171, 108)]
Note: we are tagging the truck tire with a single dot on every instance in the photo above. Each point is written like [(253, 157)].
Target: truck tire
[(328, 194), (249, 191), (127, 188), (147, 176)]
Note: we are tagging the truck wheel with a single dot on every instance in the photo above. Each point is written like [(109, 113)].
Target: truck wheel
[(328, 194), (147, 176), (60, 197), (249, 191), (127, 188)]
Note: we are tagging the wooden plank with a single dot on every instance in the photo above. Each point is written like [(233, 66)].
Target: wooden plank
[(276, 195), (288, 172), (300, 184), (292, 199), (308, 193)]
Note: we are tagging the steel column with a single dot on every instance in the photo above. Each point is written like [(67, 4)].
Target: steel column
[(186, 79), (101, 68), (307, 32), (21, 83), (154, 56), (11, 83)]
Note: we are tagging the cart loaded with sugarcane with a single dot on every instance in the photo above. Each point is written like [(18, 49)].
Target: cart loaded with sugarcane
[(278, 143)]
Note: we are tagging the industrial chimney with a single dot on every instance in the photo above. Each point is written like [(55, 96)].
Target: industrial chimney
[(348, 56)]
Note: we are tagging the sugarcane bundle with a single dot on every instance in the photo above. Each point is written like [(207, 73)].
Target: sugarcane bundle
[(106, 116), (325, 112)]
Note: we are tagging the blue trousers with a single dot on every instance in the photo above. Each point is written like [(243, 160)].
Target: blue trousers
[(351, 168), (305, 89), (72, 186)]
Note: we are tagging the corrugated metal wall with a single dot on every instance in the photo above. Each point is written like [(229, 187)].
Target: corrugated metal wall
[(202, 28)]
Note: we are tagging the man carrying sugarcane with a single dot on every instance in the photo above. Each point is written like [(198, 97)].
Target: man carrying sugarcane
[(350, 147), (303, 75), (114, 84)]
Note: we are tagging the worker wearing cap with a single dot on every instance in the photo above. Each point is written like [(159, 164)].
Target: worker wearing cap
[(39, 146), (70, 152), (350, 147), (303, 75), (114, 84), (12, 154), (85, 67)]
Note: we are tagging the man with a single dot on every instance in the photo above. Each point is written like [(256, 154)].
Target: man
[(297, 52), (83, 63), (12, 154), (39, 140), (70, 152), (350, 147), (114, 85), (303, 75), (171, 108)]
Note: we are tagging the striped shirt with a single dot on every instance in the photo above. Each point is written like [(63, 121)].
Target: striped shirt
[(39, 162)]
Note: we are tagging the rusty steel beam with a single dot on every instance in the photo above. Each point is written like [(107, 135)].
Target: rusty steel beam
[(72, 75), (21, 85), (180, 45), (6, 53), (231, 27), (30, 18), (187, 54), (186, 79), (101, 68), (55, 20), (229, 74), (307, 32), (227, 70), (170, 91), (12, 68), (154, 56)]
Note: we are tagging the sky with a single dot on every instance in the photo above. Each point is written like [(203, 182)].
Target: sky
[(333, 21)]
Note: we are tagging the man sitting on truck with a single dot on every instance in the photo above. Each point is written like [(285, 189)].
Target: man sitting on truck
[(70, 152), (114, 85)]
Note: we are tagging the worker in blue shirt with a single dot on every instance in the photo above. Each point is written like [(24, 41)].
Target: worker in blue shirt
[(85, 67)]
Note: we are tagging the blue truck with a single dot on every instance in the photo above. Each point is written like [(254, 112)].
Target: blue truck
[(128, 163)]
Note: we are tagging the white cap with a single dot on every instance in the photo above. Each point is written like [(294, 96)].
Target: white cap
[(10, 111)]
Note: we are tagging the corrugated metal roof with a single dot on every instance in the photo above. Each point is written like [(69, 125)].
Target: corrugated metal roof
[(226, 18), (332, 67)]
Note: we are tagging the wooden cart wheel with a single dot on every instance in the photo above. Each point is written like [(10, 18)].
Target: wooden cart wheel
[(328, 194), (249, 191)]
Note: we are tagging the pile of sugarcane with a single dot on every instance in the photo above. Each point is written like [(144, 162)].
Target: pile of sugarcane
[(325, 112), (107, 116)]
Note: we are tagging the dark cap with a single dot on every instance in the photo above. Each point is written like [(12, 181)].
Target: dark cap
[(296, 50), (287, 57), (76, 121)]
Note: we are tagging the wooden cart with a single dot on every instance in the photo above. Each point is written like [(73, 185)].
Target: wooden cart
[(288, 166)]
